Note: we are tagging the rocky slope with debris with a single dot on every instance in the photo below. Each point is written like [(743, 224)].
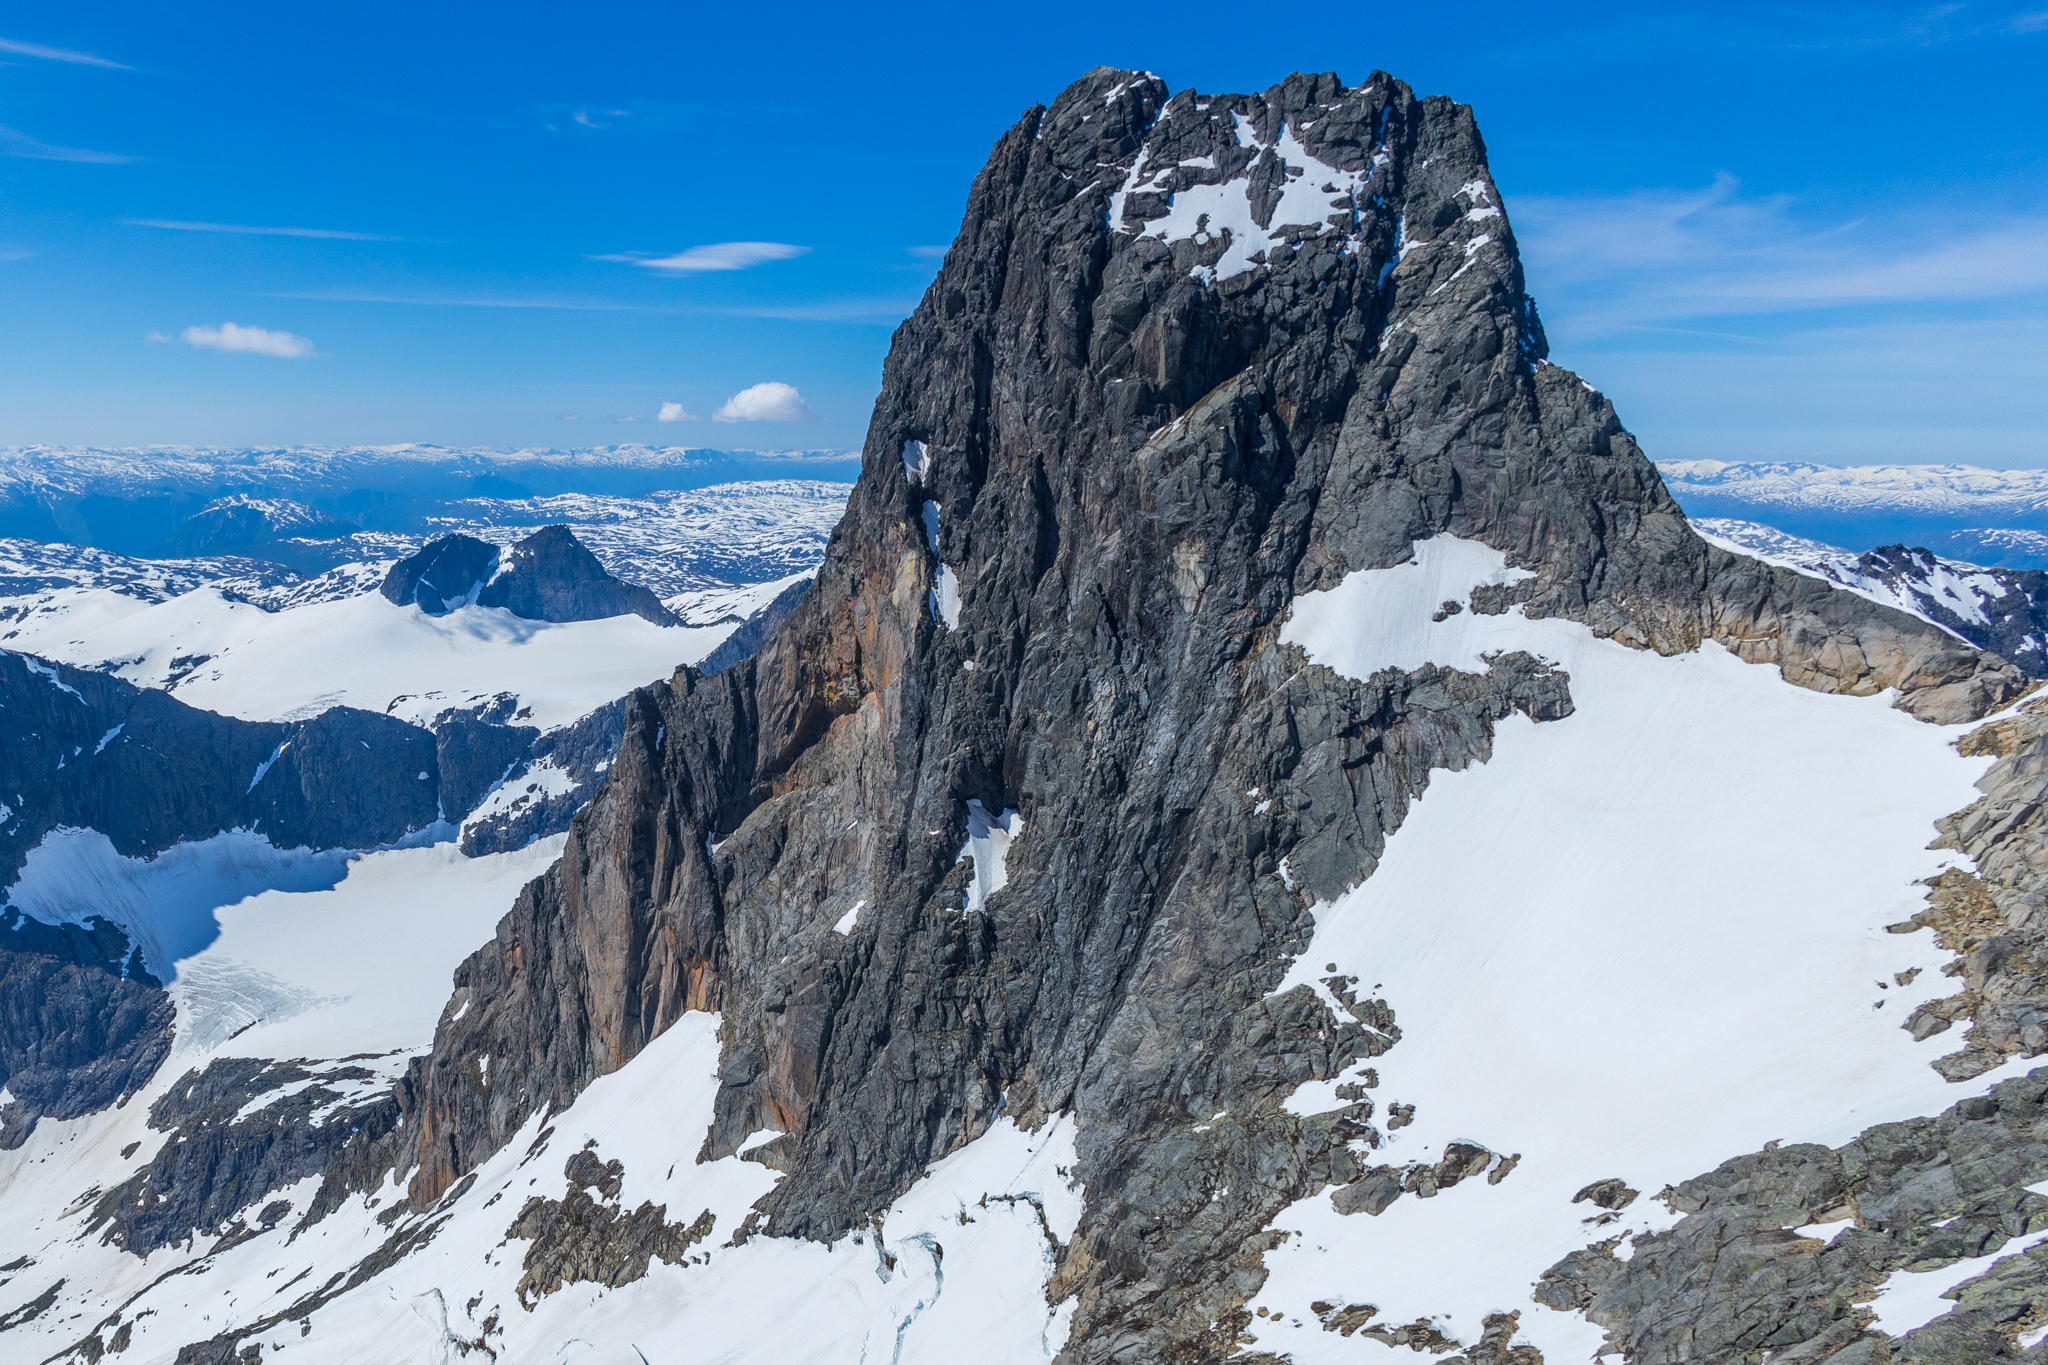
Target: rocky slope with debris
[(1221, 522)]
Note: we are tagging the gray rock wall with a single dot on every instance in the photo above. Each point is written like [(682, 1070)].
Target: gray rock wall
[(1128, 457)]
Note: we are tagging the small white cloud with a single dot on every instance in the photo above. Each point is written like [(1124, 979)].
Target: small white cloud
[(770, 402), (251, 340), (624, 419), (598, 118), (572, 417), (715, 256), (673, 412)]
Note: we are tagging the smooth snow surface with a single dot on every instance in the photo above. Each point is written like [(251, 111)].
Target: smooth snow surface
[(365, 962), (167, 904), (364, 652), (1636, 942), (988, 843), (946, 596), (1381, 619)]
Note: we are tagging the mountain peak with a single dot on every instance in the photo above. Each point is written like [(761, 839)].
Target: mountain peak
[(548, 576)]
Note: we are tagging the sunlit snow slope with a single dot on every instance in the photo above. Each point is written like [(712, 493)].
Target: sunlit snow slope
[(1636, 941)]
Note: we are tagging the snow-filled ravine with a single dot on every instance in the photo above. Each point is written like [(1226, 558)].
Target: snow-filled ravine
[(362, 651), (1636, 942)]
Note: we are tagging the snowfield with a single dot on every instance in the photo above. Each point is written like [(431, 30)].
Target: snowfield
[(1637, 942), (227, 656)]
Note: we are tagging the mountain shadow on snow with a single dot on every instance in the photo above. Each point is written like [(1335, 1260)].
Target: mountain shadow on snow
[(549, 576)]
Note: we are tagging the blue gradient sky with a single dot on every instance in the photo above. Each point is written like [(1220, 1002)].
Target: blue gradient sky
[(1813, 232)]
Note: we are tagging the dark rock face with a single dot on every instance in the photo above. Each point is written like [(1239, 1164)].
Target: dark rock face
[(1128, 442), (82, 1021), (441, 575), (2015, 623), (216, 1165), (93, 752), (83, 1024), (549, 576), (593, 1239), (582, 752), (753, 632), (477, 749), (1734, 1279)]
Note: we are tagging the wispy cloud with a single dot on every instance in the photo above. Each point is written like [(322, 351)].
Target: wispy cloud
[(14, 142), (415, 301), (888, 311), (673, 412), (1657, 258), (233, 337), (928, 253), (638, 116), (15, 253), (247, 230), (770, 402), (713, 256), (2028, 23), (58, 54)]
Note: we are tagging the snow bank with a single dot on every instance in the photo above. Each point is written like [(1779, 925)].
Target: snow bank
[(988, 844), (1637, 942), (364, 652)]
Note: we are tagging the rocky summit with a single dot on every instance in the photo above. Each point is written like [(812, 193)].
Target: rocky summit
[(1268, 836), (548, 576)]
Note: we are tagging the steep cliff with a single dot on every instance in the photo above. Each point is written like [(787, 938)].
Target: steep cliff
[(1190, 358)]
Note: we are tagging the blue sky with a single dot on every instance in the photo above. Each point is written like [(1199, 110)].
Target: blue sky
[(1813, 232)]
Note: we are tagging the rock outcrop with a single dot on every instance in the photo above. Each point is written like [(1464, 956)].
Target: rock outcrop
[(1190, 356), (549, 576), (753, 632)]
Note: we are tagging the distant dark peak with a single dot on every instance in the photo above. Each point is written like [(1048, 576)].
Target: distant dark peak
[(549, 576), (1894, 559), (754, 632), (442, 575), (243, 522)]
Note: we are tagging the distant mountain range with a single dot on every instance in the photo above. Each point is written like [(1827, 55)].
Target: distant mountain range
[(1994, 517), (184, 500)]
